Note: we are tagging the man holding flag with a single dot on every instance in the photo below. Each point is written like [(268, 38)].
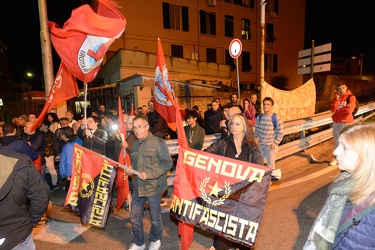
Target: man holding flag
[(149, 156)]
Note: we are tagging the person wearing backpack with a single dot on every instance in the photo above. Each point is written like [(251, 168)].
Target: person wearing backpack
[(342, 106), (269, 132)]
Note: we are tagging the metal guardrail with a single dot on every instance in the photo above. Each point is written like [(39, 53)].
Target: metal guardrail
[(295, 126)]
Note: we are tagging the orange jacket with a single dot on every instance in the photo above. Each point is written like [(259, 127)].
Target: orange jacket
[(342, 110)]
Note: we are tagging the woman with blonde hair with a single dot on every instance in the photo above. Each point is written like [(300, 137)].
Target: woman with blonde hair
[(347, 219), (240, 145)]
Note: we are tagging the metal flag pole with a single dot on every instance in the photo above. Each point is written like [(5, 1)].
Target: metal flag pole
[(262, 43)]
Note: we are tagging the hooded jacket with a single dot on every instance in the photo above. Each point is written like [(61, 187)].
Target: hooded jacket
[(23, 198), (342, 110), (15, 144)]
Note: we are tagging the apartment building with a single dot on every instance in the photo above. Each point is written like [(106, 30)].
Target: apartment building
[(203, 29)]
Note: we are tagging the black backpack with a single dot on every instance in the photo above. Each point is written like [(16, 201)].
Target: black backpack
[(356, 104)]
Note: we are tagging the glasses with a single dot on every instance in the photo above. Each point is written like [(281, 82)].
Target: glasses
[(140, 127)]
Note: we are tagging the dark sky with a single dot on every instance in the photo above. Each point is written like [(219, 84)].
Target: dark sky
[(349, 27), (20, 32)]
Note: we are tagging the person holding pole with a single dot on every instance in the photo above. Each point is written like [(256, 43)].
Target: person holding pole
[(150, 157)]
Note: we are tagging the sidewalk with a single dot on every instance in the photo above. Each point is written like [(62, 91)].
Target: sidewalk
[(320, 153)]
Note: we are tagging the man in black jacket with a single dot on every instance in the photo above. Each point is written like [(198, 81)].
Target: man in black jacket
[(23, 200)]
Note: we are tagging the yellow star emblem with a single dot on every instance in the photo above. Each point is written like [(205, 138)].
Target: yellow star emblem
[(84, 185), (215, 190)]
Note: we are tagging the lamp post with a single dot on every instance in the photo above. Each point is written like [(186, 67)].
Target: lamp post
[(29, 74)]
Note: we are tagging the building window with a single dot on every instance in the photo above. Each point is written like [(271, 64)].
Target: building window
[(175, 17), (246, 66), (270, 37), (270, 63), (245, 3), (177, 51), (245, 29), (229, 60), (207, 22), (272, 6), (211, 55), (229, 26)]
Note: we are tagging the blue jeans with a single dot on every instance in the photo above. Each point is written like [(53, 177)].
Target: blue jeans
[(28, 244), (269, 155), (136, 217)]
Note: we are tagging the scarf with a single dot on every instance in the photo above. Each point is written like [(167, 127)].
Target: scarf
[(324, 229)]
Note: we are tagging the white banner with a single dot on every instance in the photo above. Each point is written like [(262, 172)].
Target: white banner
[(294, 104)]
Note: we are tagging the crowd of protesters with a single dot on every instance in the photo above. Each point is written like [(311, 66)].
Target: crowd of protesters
[(50, 147)]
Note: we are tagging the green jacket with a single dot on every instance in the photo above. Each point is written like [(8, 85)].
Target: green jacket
[(150, 155)]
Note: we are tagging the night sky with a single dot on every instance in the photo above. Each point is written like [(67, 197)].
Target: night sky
[(347, 26)]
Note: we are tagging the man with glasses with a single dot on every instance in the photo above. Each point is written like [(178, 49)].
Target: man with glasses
[(150, 157)]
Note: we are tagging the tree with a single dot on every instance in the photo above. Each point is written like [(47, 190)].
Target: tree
[(280, 82)]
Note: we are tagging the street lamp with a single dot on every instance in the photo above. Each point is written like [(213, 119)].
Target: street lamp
[(29, 74)]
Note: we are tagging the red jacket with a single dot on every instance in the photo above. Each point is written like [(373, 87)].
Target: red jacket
[(342, 110)]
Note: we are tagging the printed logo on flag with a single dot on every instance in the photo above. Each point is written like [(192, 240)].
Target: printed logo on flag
[(87, 60), (160, 91)]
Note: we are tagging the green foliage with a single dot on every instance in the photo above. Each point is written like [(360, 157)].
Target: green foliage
[(280, 82)]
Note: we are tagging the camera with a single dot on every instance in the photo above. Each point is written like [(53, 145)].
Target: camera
[(114, 126)]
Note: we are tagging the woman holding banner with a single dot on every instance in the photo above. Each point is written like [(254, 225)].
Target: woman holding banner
[(238, 145)]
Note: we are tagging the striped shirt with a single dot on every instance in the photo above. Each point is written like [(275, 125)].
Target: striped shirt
[(265, 132)]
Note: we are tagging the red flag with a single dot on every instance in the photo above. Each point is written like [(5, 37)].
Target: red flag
[(132, 110), (122, 181), (163, 90), (86, 37), (90, 191), (186, 231), (63, 88), (234, 190), (182, 140), (167, 107)]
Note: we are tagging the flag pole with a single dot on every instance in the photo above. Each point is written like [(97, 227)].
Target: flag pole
[(85, 104)]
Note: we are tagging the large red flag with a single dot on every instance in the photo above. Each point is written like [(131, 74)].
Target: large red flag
[(122, 181), (163, 93), (63, 88), (86, 37), (185, 230)]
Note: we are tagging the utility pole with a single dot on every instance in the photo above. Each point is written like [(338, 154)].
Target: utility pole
[(45, 43), (262, 45)]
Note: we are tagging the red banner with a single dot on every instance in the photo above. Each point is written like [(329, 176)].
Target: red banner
[(163, 93), (63, 88), (122, 181), (221, 195), (91, 186), (86, 37)]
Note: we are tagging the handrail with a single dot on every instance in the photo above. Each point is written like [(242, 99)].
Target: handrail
[(291, 127)]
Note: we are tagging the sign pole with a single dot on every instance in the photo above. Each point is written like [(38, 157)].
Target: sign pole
[(235, 49), (238, 80)]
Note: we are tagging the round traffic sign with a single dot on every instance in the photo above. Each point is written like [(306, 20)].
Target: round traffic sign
[(235, 48)]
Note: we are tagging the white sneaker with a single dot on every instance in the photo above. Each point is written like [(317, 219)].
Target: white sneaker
[(133, 246), (155, 245), (333, 163)]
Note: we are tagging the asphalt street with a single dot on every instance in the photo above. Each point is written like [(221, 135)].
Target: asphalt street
[(64, 230)]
